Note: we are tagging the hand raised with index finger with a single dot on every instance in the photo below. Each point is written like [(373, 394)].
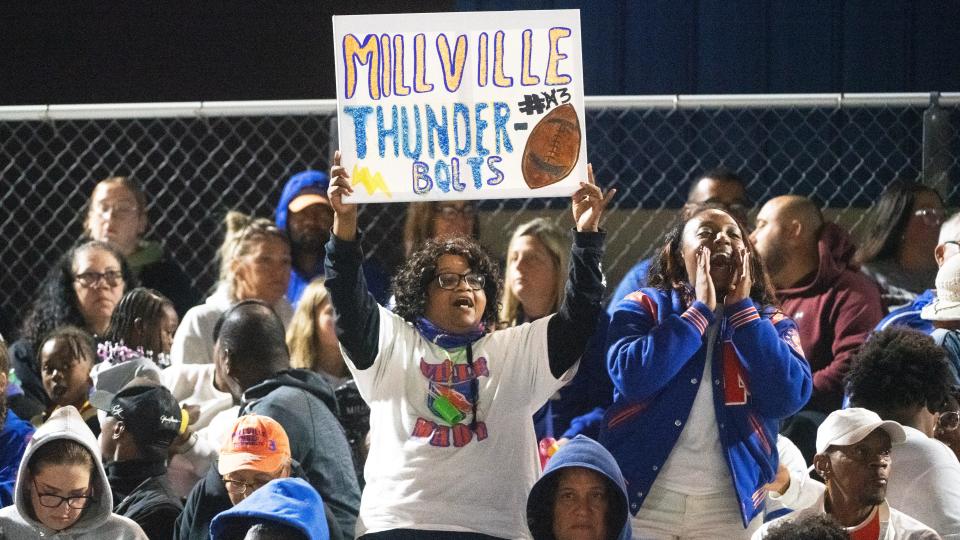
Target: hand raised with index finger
[(589, 202), (344, 213)]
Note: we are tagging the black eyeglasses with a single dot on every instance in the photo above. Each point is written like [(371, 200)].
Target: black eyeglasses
[(450, 281), (954, 242), (49, 500), (92, 279), (237, 487)]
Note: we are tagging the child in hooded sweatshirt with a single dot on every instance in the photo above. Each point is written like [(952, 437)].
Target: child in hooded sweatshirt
[(66, 358), (62, 489)]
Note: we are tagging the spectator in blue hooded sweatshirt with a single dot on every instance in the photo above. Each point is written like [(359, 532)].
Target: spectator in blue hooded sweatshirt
[(14, 435), (305, 214), (289, 504), (581, 495)]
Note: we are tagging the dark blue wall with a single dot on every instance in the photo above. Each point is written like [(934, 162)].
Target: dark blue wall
[(762, 46)]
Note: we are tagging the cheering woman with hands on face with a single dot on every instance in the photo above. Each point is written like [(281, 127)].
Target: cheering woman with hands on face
[(452, 446), (703, 369)]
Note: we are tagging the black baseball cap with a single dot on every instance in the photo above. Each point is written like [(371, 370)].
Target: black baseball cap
[(148, 411)]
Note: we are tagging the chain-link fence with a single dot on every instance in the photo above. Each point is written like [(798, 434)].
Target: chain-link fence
[(199, 160)]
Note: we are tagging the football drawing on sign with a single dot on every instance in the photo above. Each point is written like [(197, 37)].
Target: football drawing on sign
[(553, 148)]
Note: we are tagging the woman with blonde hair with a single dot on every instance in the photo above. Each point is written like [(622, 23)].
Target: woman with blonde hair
[(541, 246), (538, 258), (311, 338), (254, 264)]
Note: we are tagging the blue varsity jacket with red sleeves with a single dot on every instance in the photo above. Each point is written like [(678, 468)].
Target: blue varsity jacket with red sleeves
[(656, 356)]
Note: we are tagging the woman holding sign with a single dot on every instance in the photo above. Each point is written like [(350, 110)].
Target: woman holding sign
[(452, 446)]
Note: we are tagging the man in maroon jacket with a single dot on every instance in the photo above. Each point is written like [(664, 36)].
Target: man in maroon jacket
[(834, 305)]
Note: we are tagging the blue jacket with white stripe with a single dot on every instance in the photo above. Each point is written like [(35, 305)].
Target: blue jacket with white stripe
[(656, 356)]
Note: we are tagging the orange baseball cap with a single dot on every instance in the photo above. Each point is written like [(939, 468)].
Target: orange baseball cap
[(255, 442), (307, 199)]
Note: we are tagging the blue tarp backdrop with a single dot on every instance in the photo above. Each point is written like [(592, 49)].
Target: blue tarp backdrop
[(762, 46)]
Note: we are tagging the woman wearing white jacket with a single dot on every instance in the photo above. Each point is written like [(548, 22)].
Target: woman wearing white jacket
[(62, 489), (254, 263)]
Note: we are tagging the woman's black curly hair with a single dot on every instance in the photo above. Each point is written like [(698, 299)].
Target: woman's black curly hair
[(56, 301), (669, 273), (899, 368), (410, 284)]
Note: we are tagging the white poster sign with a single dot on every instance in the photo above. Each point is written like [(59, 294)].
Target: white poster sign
[(473, 105)]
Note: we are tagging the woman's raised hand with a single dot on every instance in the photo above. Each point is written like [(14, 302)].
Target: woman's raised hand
[(589, 203), (703, 284), (344, 213), (742, 279)]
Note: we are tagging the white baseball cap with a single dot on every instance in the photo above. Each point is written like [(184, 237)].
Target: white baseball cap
[(850, 426)]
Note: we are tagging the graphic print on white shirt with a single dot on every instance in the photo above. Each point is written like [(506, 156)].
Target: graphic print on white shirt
[(451, 393)]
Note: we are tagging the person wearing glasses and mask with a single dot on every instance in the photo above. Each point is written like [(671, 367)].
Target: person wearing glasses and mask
[(62, 489), (81, 290), (903, 376), (453, 449), (943, 313), (117, 213), (901, 235)]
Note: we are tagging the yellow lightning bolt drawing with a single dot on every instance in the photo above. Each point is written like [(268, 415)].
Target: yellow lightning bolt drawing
[(372, 182)]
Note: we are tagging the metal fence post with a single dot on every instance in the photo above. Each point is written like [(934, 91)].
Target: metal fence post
[(937, 133)]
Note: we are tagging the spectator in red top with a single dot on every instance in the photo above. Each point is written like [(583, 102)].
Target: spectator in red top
[(810, 263)]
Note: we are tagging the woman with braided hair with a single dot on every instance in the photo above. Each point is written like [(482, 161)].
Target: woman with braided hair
[(144, 320)]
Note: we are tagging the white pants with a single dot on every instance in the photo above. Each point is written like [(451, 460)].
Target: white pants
[(668, 515)]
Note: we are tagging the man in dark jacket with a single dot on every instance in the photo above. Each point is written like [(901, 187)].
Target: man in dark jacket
[(209, 497), (142, 421), (251, 358)]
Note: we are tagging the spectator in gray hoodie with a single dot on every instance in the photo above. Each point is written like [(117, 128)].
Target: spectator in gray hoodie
[(62, 489)]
